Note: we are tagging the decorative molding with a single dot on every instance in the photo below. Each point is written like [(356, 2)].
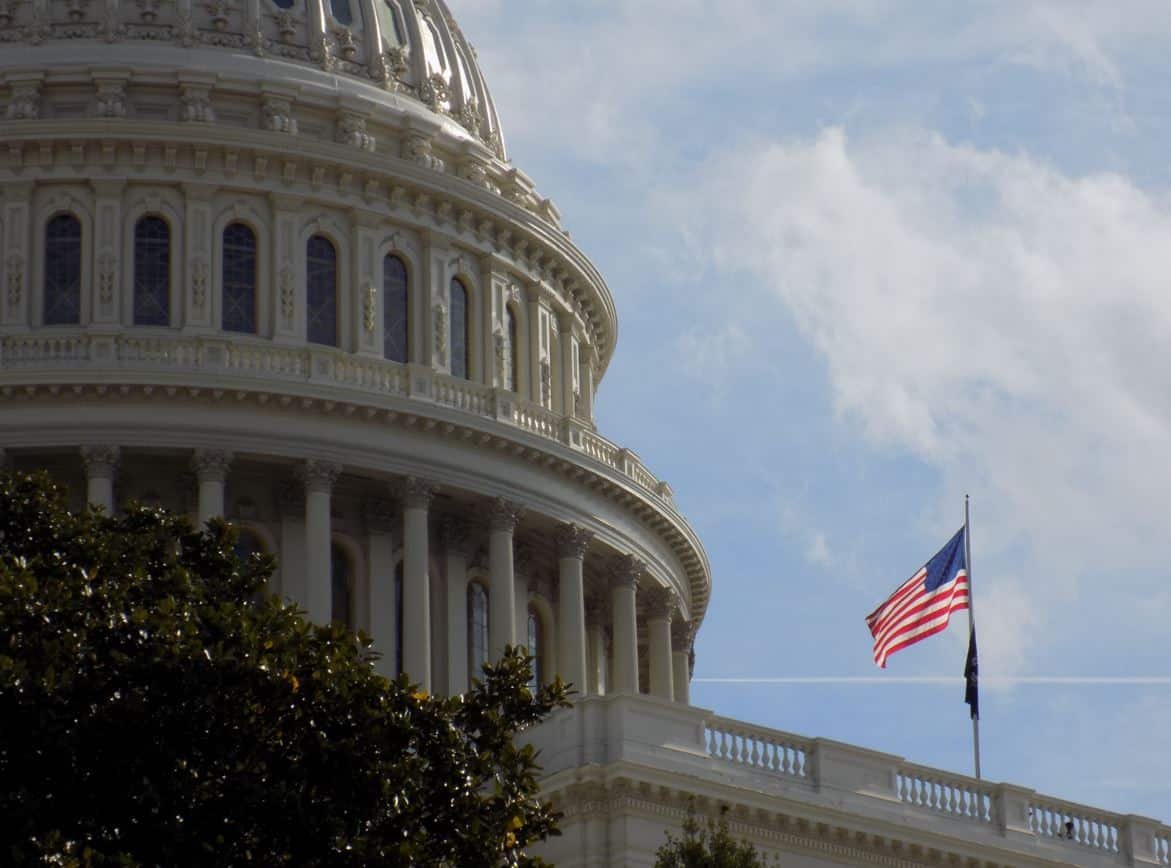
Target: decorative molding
[(15, 278), (211, 465), (504, 515), (625, 571), (101, 461), (660, 603), (318, 476), (277, 113), (416, 492), (572, 540)]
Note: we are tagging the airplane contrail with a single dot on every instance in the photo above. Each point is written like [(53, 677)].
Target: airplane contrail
[(948, 680)]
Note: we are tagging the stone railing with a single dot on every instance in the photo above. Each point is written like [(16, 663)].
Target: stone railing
[(698, 753), (757, 747), (31, 355), (1004, 809)]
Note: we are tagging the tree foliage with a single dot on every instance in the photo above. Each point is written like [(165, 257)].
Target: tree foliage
[(157, 708), (707, 846)]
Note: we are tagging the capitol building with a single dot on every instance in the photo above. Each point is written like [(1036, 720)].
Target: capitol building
[(269, 259)]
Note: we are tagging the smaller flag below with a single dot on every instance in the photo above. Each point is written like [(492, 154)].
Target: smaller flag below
[(971, 677), (922, 605)]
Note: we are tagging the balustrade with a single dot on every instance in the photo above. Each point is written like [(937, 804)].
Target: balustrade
[(257, 358), (757, 747), (1077, 823), (945, 793)]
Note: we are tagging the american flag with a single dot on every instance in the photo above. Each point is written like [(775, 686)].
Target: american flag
[(922, 605)]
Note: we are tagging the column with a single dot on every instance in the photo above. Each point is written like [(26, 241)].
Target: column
[(596, 646), (623, 586), (101, 463), (318, 477), (290, 498), (660, 606), (379, 517), (503, 519), (455, 542), (416, 498), (572, 542), (211, 471), (681, 660)]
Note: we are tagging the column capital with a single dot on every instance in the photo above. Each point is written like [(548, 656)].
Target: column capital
[(504, 515), (319, 476), (660, 602), (211, 465), (681, 635), (379, 515), (101, 462), (416, 492), (625, 570), (290, 499), (455, 533), (572, 540)]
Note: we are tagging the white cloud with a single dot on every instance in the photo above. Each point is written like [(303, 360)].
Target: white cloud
[(605, 70), (1005, 323), (709, 356)]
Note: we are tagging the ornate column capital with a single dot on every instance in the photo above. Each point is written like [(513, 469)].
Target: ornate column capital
[(416, 492), (681, 635), (660, 602), (572, 540), (379, 515), (211, 465), (318, 476), (504, 515), (290, 499), (625, 570), (456, 534), (101, 462)]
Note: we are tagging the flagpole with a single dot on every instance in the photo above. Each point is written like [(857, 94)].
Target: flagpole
[(971, 626)]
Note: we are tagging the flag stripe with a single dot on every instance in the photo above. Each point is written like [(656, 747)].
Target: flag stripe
[(922, 605)]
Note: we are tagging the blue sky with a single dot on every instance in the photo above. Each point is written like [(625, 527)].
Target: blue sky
[(868, 256)]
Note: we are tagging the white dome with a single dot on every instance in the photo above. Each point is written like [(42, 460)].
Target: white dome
[(408, 47)]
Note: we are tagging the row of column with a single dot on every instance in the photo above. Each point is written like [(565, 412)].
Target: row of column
[(581, 651)]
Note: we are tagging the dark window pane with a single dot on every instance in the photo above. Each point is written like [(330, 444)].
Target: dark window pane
[(321, 288), (239, 279), (341, 581), (284, 4), (459, 329), (341, 11), (477, 629), (63, 270), (394, 309), (152, 272), (534, 637), (511, 366)]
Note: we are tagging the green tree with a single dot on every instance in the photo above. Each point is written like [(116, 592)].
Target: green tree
[(157, 708), (708, 846)]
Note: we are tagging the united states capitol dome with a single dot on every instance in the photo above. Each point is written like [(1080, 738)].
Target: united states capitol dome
[(268, 260), (394, 55)]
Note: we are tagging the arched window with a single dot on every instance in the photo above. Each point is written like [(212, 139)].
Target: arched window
[(398, 618), (395, 307), (534, 647), (511, 365), (152, 272), (321, 291), (342, 583), (459, 329), (63, 271), (239, 279), (477, 628)]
